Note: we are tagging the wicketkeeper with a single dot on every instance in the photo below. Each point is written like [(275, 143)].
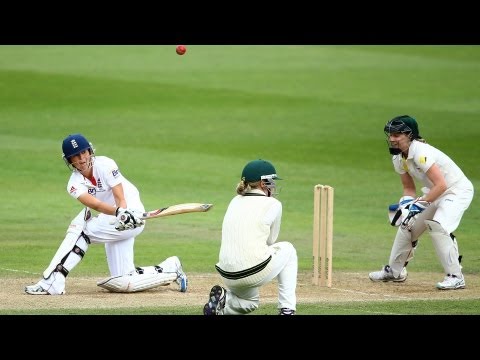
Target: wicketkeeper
[(98, 184), (447, 193)]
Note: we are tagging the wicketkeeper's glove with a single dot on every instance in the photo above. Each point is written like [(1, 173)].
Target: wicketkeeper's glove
[(413, 210), (398, 212)]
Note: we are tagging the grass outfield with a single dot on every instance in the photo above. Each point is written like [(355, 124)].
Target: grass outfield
[(182, 128)]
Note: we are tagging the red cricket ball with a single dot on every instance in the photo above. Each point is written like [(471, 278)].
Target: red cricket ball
[(181, 49)]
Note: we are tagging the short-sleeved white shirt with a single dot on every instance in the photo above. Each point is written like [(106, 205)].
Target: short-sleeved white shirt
[(106, 174), (421, 157)]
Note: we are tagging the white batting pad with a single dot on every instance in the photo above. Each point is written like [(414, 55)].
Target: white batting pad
[(402, 251), (136, 282), (445, 247), (72, 238)]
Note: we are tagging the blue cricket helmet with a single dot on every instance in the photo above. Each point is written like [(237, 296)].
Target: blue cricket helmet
[(74, 145)]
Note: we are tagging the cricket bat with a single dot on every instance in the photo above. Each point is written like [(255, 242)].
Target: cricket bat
[(176, 209)]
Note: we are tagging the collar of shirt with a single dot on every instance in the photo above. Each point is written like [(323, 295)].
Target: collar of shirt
[(411, 149), (256, 191)]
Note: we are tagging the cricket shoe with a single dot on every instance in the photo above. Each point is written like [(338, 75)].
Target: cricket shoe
[(386, 274), (451, 282), (286, 311), (37, 289), (216, 302), (181, 280)]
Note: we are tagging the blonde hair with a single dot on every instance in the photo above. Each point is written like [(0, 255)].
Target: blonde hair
[(243, 186)]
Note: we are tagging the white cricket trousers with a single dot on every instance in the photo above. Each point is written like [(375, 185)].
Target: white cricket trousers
[(447, 210), (118, 244), (243, 299)]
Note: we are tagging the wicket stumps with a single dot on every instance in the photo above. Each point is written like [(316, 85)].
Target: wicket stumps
[(322, 235)]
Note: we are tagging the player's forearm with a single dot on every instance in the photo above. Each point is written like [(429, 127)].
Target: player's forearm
[(435, 192), (105, 208), (101, 207)]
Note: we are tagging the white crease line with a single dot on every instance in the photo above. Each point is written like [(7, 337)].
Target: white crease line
[(23, 271), (34, 273)]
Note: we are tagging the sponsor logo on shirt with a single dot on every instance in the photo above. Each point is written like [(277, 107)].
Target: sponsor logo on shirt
[(115, 173), (72, 190)]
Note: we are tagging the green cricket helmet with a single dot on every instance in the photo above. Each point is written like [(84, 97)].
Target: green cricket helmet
[(261, 170), (257, 170), (404, 124)]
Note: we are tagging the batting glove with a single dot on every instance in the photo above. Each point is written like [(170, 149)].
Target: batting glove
[(126, 220)]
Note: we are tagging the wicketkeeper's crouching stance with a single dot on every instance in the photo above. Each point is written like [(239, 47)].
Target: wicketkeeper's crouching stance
[(447, 194), (98, 184)]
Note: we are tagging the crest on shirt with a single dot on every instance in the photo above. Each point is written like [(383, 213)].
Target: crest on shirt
[(115, 173), (423, 159)]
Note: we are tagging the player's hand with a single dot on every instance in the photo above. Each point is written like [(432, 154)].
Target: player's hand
[(414, 209), (417, 207), (405, 201), (126, 220), (398, 212)]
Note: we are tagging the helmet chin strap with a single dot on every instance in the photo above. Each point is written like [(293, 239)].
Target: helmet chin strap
[(397, 150), (267, 186), (394, 151), (269, 193)]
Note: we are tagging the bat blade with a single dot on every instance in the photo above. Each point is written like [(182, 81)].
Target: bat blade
[(176, 209)]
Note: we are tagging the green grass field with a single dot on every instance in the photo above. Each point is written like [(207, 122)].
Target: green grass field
[(182, 128)]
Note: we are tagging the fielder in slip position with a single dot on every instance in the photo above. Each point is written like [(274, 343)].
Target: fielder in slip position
[(447, 193), (249, 255), (98, 184)]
